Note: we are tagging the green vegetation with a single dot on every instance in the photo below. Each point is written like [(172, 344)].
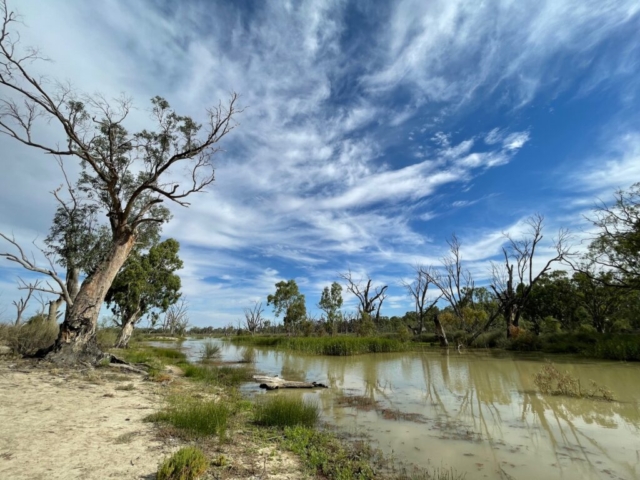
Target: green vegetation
[(151, 355), (339, 346), (28, 338), (188, 463), (284, 411), (195, 417), (228, 376), (209, 350)]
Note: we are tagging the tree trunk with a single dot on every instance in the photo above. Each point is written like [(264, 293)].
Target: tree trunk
[(442, 336), (127, 330), (76, 340), (52, 316)]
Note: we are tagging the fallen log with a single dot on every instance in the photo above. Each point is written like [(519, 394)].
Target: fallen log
[(274, 383)]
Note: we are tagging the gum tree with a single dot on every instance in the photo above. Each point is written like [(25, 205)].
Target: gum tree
[(128, 175)]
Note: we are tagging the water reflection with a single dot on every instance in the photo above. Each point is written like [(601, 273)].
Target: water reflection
[(479, 413)]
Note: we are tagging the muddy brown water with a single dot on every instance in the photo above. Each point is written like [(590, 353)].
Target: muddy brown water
[(477, 412)]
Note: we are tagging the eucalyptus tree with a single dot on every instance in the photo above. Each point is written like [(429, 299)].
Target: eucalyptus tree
[(418, 289), (370, 297), (146, 285), (287, 299), (331, 303), (128, 175)]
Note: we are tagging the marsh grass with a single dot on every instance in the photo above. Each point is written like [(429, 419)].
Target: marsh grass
[(194, 417), (209, 351), (188, 463), (335, 346), (285, 411), (551, 381), (218, 375)]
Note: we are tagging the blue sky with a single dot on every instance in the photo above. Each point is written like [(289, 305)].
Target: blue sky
[(372, 130)]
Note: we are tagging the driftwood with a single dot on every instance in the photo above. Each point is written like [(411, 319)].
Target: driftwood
[(274, 383)]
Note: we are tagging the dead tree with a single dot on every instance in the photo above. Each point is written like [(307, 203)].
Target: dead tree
[(418, 290), (176, 320), (513, 281), (21, 305), (458, 289), (253, 317), (127, 175), (370, 301)]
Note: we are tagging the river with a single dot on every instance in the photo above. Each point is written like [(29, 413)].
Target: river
[(477, 412)]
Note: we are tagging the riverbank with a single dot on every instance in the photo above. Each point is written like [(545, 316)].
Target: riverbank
[(624, 347), (107, 423)]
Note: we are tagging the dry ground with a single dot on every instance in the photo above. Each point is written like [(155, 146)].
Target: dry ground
[(66, 424)]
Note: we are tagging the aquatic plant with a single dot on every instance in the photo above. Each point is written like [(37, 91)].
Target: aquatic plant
[(337, 346), (551, 381), (209, 350)]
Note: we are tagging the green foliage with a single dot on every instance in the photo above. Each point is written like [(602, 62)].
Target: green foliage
[(285, 411), (525, 342), (337, 346), (289, 300), (195, 417), (331, 303), (153, 355), (146, 282), (188, 463), (492, 339), (106, 337), (327, 456)]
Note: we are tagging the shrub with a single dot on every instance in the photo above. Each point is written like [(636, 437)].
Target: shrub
[(285, 411), (550, 380), (489, 340), (188, 463), (195, 417), (106, 337), (525, 342), (30, 337)]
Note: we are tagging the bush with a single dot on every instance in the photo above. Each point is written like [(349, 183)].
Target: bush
[(195, 417), (106, 337), (188, 463), (525, 342), (30, 337), (550, 380), (284, 411), (489, 340)]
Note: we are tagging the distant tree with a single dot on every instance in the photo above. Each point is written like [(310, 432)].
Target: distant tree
[(514, 280), (21, 306), (253, 317), (127, 175), (331, 303), (598, 298), (553, 296), (370, 299), (147, 284), (419, 289), (288, 300), (176, 319), (616, 248)]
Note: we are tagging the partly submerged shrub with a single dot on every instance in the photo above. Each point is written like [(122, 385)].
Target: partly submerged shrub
[(551, 381), (209, 350), (188, 463)]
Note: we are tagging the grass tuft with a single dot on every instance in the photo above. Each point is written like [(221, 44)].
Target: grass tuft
[(188, 463), (209, 350), (285, 411), (195, 417), (222, 375)]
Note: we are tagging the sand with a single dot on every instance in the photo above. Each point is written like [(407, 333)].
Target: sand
[(74, 425)]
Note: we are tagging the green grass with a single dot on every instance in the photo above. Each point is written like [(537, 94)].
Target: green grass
[(222, 375), (195, 417), (338, 346), (209, 350), (151, 354), (284, 411), (188, 463), (326, 455)]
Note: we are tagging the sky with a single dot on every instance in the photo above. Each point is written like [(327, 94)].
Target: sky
[(371, 132)]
